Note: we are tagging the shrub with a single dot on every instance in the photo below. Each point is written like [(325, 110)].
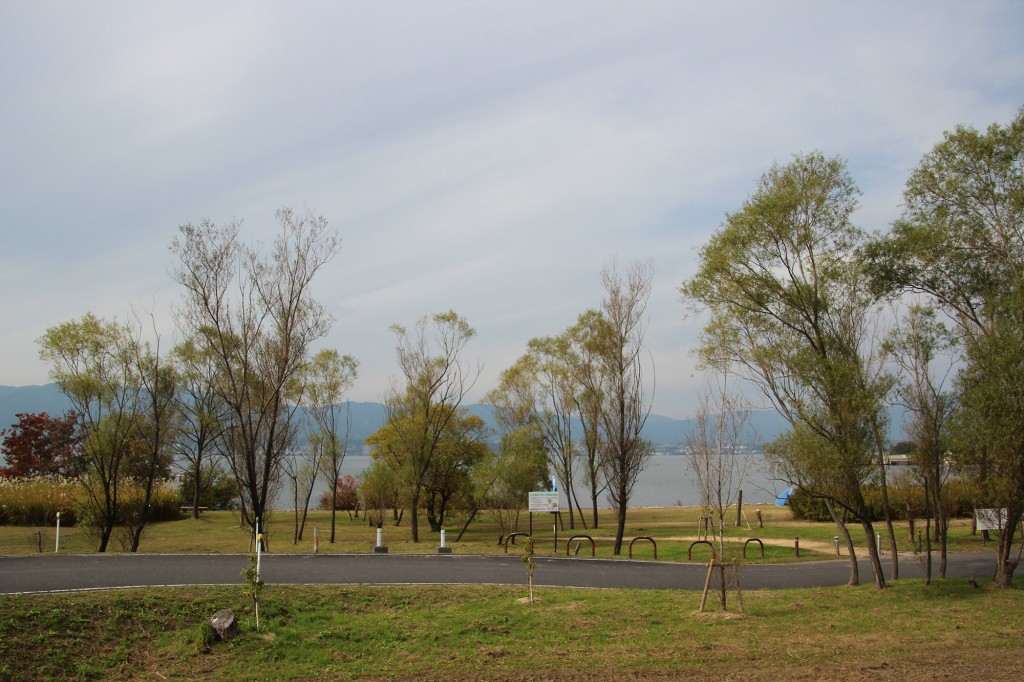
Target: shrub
[(346, 495)]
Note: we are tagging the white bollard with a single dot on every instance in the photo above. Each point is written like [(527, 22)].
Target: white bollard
[(56, 547), (878, 542), (379, 548), (442, 538), (836, 538)]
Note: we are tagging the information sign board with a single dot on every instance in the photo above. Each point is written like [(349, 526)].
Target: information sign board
[(543, 502)]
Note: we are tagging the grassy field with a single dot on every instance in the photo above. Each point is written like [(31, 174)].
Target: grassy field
[(673, 529), (946, 631), (909, 631)]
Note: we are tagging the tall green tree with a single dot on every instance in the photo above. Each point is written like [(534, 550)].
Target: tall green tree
[(960, 242), (95, 364), (256, 316), (789, 313), (435, 378), (329, 375)]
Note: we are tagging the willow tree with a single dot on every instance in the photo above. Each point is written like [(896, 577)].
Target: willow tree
[(435, 378), (256, 317), (960, 242), (95, 363), (328, 377), (789, 313)]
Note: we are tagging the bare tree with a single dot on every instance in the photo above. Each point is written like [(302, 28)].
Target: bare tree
[(717, 455), (616, 337), (919, 348), (257, 317)]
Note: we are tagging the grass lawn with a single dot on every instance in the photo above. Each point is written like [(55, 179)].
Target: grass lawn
[(673, 530), (908, 631)]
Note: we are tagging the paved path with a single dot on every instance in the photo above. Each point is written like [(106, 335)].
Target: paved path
[(86, 571), (43, 573)]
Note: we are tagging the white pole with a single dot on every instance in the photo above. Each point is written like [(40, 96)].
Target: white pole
[(259, 544), (380, 534), (442, 538), (56, 547)]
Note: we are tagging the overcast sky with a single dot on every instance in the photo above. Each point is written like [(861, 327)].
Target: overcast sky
[(487, 157)]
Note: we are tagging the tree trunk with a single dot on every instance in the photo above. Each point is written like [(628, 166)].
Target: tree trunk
[(414, 524), (876, 562), (466, 524), (1005, 565), (620, 526), (840, 521), (196, 493)]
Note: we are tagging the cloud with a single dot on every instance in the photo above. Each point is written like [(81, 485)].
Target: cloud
[(486, 157)]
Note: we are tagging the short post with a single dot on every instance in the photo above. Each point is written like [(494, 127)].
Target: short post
[(56, 546), (739, 509), (760, 523), (316, 541), (444, 548), (836, 539), (796, 546), (878, 543), (379, 548)]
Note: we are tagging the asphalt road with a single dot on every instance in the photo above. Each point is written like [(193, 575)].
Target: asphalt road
[(46, 573)]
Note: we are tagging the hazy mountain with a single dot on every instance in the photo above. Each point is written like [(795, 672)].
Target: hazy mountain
[(368, 417)]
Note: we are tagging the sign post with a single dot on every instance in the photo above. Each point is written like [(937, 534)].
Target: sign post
[(546, 503)]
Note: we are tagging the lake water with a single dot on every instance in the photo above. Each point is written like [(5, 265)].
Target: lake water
[(667, 481)]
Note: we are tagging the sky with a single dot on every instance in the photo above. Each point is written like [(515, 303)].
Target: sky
[(486, 157)]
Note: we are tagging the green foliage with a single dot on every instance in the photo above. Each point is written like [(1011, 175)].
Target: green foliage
[(218, 491), (252, 585)]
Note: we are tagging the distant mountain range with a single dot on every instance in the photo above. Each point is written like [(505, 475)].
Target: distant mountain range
[(368, 417)]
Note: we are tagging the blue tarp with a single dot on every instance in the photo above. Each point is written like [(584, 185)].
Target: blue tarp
[(783, 497)]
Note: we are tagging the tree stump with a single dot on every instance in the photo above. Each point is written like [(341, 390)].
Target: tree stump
[(224, 624)]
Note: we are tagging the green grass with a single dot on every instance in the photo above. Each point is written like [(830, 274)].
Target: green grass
[(908, 631), (674, 529)]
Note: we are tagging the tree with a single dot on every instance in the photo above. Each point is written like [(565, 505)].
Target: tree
[(541, 387), (615, 337), (715, 446), (95, 364), (586, 369), (960, 242), (436, 380), (41, 445), (379, 490), (256, 317), (505, 481), (917, 346), (157, 426), (203, 420), (329, 375), (789, 313)]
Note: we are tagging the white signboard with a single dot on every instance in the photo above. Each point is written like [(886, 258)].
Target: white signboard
[(543, 502), (991, 519)]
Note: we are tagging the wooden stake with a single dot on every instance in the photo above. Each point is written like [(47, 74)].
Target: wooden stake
[(707, 585)]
